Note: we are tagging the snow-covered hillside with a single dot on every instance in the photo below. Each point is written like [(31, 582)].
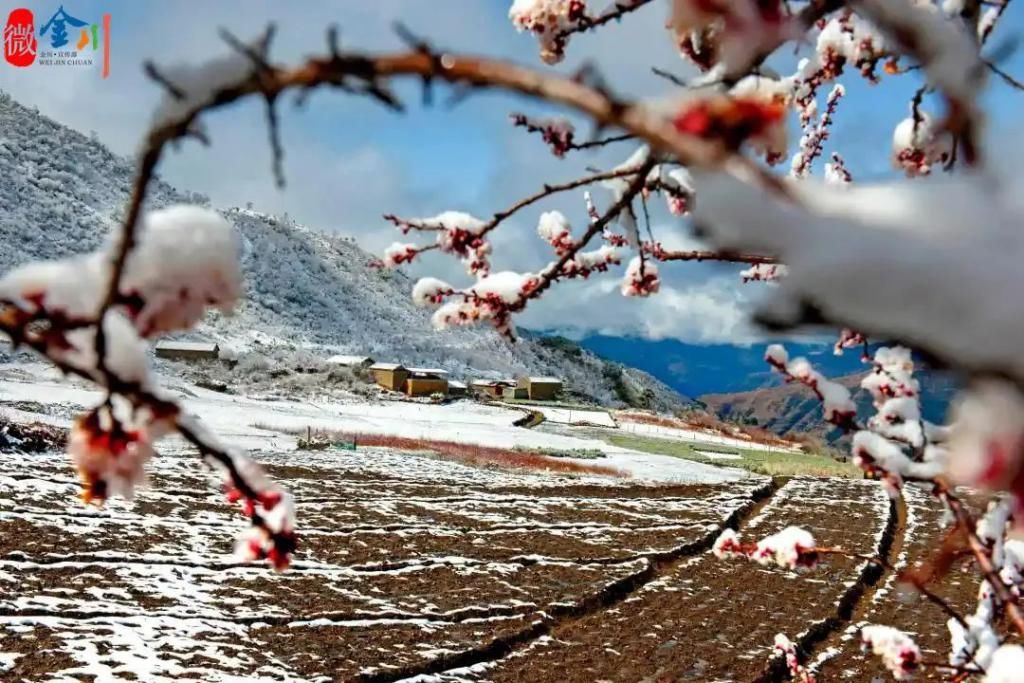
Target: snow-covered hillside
[(62, 192)]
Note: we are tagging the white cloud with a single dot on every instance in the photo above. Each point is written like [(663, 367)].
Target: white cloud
[(707, 311)]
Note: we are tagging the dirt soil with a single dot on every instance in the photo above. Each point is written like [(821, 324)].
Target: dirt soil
[(410, 567)]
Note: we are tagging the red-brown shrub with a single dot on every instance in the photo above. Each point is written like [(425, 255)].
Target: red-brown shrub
[(472, 454)]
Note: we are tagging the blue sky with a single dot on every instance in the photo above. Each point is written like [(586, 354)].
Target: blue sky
[(348, 161)]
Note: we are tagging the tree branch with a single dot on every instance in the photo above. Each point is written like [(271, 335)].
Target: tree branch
[(500, 216)]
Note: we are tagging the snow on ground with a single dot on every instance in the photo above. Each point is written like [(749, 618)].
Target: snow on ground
[(698, 436), (714, 455), (260, 424), (571, 416)]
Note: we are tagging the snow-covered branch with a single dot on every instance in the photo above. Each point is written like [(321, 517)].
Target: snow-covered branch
[(184, 260)]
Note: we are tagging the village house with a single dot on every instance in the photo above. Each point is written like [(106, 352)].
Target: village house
[(539, 388), (391, 376), (457, 388), (514, 392), (426, 381), (173, 350), (350, 361), (493, 388)]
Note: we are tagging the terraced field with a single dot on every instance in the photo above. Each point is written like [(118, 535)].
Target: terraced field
[(415, 567)]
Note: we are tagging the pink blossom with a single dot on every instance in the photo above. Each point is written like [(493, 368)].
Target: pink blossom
[(399, 253), (728, 546), (641, 278), (785, 647), (554, 229), (546, 19), (790, 548), (918, 144), (430, 291), (899, 653), (110, 447)]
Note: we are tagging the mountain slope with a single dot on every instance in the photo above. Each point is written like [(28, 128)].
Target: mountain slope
[(62, 193), (696, 369), (793, 408)]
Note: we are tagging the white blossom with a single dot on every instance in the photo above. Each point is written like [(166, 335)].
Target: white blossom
[(899, 653), (554, 229), (429, 291), (641, 278), (790, 548)]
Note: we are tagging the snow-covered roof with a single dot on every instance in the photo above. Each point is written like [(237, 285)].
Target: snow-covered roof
[(349, 360), (428, 371), (387, 366), (186, 346), (544, 380), (492, 382), (456, 384)]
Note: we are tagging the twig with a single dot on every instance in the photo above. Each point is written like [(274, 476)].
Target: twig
[(554, 271), (500, 216), (617, 11), (902, 577), (669, 76), (703, 255), (1007, 78)]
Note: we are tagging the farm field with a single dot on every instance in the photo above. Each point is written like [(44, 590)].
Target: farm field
[(415, 567), (412, 566)]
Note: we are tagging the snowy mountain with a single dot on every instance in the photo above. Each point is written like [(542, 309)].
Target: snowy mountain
[(62, 192)]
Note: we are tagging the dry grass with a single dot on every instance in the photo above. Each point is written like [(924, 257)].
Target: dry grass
[(483, 456)]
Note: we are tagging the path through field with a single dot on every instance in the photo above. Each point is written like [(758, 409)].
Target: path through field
[(415, 567)]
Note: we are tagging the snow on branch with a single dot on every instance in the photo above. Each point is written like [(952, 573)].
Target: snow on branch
[(185, 260), (560, 134), (861, 257), (839, 407), (555, 21)]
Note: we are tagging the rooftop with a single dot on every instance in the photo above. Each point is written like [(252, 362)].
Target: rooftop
[(186, 346), (427, 371), (349, 360), (387, 366)]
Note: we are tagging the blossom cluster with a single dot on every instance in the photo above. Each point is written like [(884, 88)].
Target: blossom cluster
[(641, 278), (458, 233), (792, 548), (557, 132), (493, 298), (898, 651), (740, 29), (554, 229), (272, 536), (787, 649), (918, 143), (548, 20), (986, 439), (735, 121)]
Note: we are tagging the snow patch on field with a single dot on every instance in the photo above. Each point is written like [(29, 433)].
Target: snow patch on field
[(234, 418), (572, 416), (698, 436)]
